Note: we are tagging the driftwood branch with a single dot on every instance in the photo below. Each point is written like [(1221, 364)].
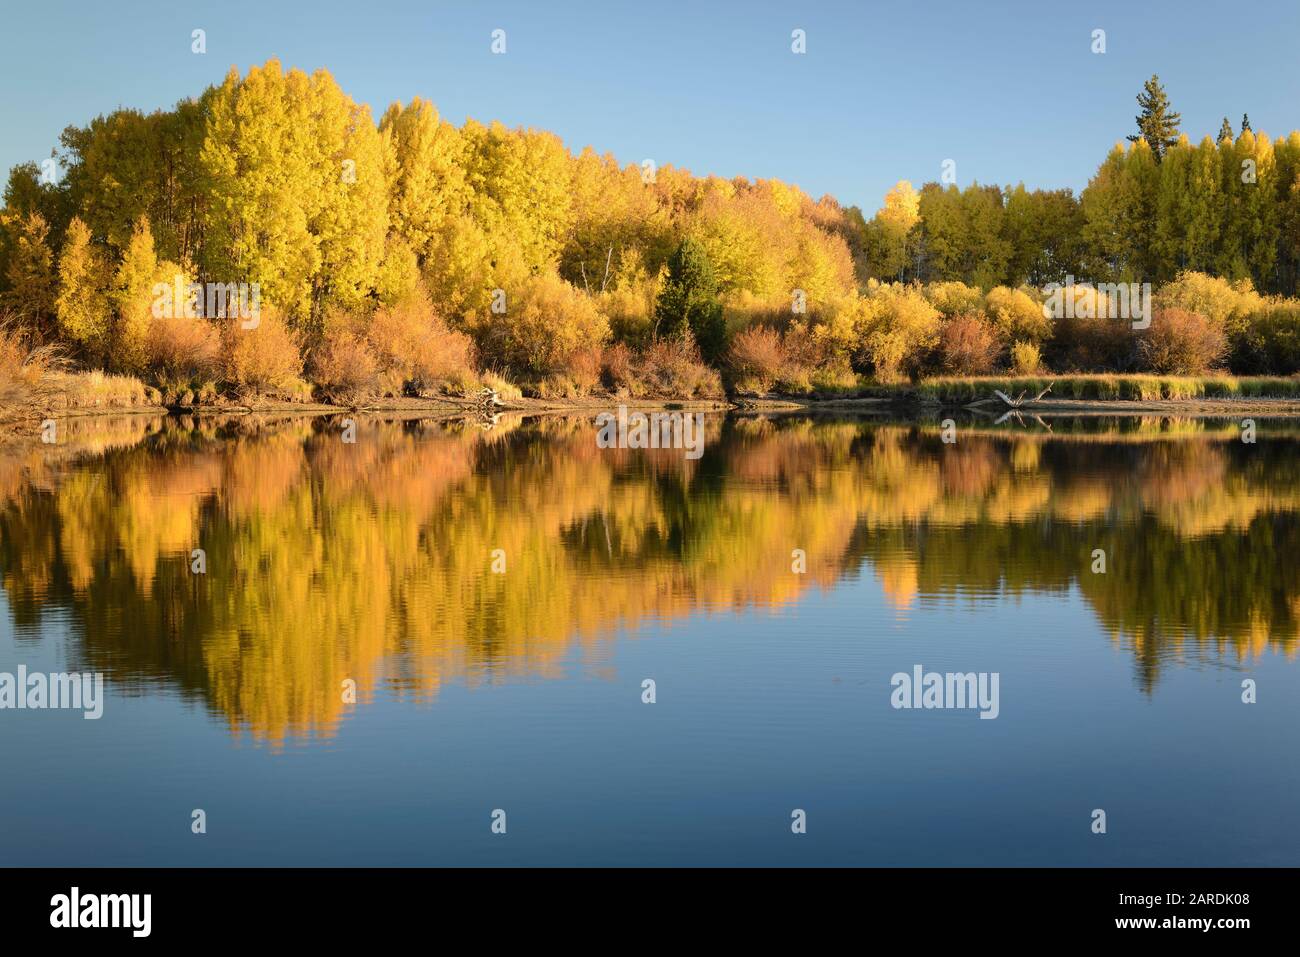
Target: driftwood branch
[(488, 396), (1020, 400)]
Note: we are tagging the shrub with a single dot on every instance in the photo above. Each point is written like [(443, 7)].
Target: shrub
[(584, 368), (952, 298), (21, 368), (263, 360), (1016, 315), (968, 345), (814, 361), (671, 368), (898, 330), (544, 327), (1226, 305), (1181, 342), (1088, 343), (620, 370), (1271, 344), (343, 367), (756, 359), (181, 351), (413, 348), (835, 329), (581, 375), (1026, 358)]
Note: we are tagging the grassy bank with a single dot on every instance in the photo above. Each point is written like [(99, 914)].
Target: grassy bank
[(1109, 387)]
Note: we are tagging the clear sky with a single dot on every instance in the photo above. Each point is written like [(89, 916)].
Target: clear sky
[(1011, 91)]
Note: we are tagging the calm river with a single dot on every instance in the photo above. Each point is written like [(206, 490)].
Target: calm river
[(386, 642)]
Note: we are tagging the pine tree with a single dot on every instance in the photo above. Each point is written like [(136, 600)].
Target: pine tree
[(1245, 124), (1225, 131), (689, 300), (1157, 124)]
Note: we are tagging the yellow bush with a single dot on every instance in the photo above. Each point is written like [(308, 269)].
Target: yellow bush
[(952, 298), (1026, 359), (545, 325), (1016, 315), (1225, 304), (899, 329)]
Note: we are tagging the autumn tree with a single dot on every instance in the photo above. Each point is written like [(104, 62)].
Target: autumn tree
[(82, 305), (31, 283), (889, 238), (297, 187), (132, 298), (427, 182)]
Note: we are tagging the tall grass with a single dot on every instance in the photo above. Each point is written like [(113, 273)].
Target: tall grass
[(22, 369), (1108, 387), (31, 375)]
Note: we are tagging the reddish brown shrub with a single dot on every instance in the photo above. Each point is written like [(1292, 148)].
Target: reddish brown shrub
[(756, 359), (968, 345), (620, 370), (1180, 342), (181, 351), (671, 368), (344, 368)]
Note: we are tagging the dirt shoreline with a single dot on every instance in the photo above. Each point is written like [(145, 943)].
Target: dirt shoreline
[(28, 419)]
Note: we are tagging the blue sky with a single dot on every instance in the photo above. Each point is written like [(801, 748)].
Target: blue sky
[(1011, 91)]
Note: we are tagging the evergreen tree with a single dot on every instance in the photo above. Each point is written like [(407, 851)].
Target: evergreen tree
[(689, 300), (1157, 124), (1245, 124), (1225, 131)]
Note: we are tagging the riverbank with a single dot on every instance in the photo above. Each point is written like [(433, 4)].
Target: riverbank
[(64, 396)]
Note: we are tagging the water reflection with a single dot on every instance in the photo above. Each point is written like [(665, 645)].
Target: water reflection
[(372, 561)]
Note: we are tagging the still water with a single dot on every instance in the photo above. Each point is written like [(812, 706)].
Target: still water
[(770, 590)]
